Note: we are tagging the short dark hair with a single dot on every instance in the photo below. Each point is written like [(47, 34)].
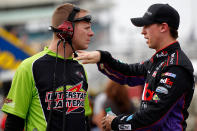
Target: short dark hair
[(173, 33), (62, 12)]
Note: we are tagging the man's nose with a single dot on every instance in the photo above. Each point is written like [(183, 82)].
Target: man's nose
[(91, 33), (143, 31)]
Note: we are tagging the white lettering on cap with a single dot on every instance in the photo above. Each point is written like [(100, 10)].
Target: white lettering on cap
[(149, 13)]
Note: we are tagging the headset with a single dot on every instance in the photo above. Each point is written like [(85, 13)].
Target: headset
[(65, 31)]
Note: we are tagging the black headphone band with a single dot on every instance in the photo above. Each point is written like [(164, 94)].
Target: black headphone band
[(70, 18), (73, 13)]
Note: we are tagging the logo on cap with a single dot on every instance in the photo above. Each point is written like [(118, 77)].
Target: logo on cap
[(148, 13)]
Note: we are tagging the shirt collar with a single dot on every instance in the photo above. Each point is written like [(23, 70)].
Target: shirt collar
[(165, 51), (51, 53)]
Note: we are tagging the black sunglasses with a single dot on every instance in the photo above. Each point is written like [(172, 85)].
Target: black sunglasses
[(87, 18)]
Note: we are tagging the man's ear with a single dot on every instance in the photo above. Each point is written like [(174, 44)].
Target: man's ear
[(164, 27)]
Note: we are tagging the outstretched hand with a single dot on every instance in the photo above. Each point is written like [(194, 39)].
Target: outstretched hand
[(88, 57), (106, 122)]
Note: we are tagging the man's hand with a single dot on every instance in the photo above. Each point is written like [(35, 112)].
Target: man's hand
[(91, 57), (106, 122)]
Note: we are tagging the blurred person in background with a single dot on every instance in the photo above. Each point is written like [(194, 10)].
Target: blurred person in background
[(49, 89), (168, 75), (117, 98), (98, 111)]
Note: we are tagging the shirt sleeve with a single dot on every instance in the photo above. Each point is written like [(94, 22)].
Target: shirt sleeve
[(20, 94), (169, 95), (130, 74), (87, 106), (88, 109), (14, 123)]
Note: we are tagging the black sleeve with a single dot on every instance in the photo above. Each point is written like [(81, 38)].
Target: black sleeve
[(170, 91), (123, 73), (14, 123), (137, 69)]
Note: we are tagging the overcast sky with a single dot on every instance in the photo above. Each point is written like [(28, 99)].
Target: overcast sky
[(126, 9)]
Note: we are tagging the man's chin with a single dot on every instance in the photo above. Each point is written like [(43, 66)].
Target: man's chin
[(151, 47), (83, 48)]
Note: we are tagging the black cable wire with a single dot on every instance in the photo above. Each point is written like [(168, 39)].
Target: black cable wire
[(54, 89), (70, 18), (74, 52), (64, 85), (64, 92), (70, 40)]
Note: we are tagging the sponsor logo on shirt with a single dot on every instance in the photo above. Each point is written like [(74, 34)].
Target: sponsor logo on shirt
[(75, 97), (169, 74), (166, 81), (156, 98), (9, 102), (154, 74), (163, 53), (147, 93), (144, 105), (123, 118), (162, 90), (172, 58), (160, 65), (124, 127), (129, 118)]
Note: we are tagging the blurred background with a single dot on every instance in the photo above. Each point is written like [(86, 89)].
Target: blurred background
[(24, 32)]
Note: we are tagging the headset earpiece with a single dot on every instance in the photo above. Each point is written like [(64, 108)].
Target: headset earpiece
[(67, 27), (66, 30)]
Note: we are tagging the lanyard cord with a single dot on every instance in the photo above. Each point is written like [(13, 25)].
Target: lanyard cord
[(54, 89)]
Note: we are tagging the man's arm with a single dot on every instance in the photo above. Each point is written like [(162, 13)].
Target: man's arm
[(14, 123), (169, 95), (123, 73)]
